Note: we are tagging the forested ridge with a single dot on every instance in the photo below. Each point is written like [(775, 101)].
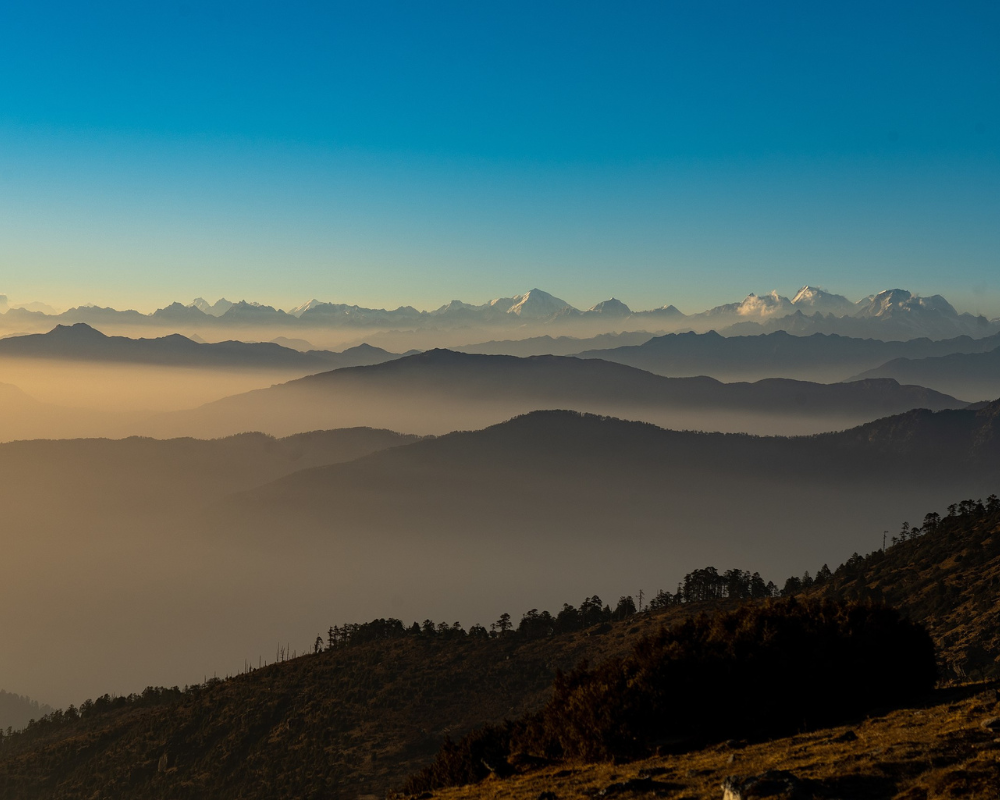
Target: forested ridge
[(373, 702)]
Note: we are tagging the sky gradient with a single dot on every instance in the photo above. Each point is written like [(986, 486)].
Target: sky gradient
[(404, 153)]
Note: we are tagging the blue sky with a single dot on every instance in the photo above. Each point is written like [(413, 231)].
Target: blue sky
[(388, 153)]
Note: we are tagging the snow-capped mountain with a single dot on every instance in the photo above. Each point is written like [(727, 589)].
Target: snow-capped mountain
[(752, 306), (216, 309), (611, 308), (298, 310), (899, 302), (767, 305), (535, 304), (812, 300), (890, 314)]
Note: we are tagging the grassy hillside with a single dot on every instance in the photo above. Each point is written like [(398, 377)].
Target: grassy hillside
[(937, 749), (355, 719), (350, 721), (944, 573)]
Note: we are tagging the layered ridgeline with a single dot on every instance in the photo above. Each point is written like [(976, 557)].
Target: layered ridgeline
[(817, 357), (434, 392), (441, 390), (970, 375), (374, 702), (889, 314), (105, 556), (82, 343), (75, 381), (224, 547)]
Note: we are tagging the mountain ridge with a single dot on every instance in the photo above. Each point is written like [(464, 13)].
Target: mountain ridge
[(891, 312), (817, 356), (446, 390), (81, 341), (974, 375)]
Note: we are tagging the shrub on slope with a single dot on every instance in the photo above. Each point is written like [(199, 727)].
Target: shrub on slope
[(759, 670)]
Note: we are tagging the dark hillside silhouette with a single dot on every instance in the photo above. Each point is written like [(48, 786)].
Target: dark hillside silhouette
[(817, 357), (416, 529), (555, 345), (346, 722), (115, 474), (972, 376), (943, 571), (81, 342), (441, 390), (757, 671), (376, 701)]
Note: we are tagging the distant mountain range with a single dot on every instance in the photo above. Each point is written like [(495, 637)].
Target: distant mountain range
[(589, 487), (971, 375), (81, 342), (819, 356), (554, 345), (271, 538), (441, 390), (890, 314)]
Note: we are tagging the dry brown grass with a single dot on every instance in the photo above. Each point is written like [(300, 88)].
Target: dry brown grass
[(939, 750)]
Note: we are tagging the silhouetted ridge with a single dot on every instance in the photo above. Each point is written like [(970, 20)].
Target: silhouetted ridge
[(973, 433), (972, 375), (567, 379), (824, 356), (310, 725), (82, 342)]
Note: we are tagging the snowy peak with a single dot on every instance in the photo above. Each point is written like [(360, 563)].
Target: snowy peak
[(767, 305), (455, 307), (611, 308), (813, 300), (893, 303), (216, 309), (298, 310), (535, 304)]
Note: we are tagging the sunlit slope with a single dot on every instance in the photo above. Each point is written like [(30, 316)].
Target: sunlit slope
[(441, 391), (353, 722)]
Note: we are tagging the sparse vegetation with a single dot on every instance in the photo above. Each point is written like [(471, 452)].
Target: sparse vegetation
[(757, 671), (375, 701)]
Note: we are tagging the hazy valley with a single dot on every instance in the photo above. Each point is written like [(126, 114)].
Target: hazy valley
[(560, 401)]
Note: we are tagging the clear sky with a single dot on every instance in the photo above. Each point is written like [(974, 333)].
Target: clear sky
[(416, 152)]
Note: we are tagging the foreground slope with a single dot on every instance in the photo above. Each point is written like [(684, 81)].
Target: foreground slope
[(937, 749), (440, 391), (345, 723), (352, 721)]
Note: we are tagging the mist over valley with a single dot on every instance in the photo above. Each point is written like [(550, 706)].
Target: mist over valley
[(549, 403)]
